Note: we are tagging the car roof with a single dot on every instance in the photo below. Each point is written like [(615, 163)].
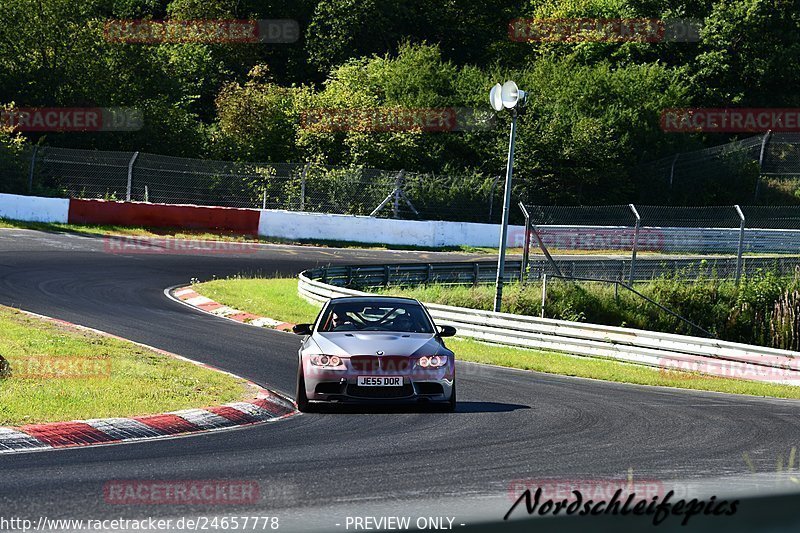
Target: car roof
[(374, 299)]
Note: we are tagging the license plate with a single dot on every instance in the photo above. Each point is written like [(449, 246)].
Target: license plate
[(380, 381)]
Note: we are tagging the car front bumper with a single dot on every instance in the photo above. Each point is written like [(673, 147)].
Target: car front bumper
[(435, 385)]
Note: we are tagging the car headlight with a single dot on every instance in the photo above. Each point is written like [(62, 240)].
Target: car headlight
[(327, 361), (433, 361)]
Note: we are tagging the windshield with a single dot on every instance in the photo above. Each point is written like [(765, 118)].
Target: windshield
[(405, 317)]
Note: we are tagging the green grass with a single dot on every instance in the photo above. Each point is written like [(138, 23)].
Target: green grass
[(608, 370), (278, 298), (760, 310), (275, 298), (127, 380)]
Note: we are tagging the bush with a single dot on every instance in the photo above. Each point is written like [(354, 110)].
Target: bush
[(763, 309)]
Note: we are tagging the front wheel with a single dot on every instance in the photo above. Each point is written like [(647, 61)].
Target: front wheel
[(301, 398)]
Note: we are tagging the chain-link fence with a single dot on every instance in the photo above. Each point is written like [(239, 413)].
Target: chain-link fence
[(635, 243), (764, 167), (144, 177)]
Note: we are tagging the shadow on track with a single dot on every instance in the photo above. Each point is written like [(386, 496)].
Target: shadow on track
[(461, 408)]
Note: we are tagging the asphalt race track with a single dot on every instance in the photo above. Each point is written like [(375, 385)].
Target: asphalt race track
[(315, 469)]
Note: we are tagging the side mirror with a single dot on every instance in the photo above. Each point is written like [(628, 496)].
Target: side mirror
[(303, 329), (446, 331)]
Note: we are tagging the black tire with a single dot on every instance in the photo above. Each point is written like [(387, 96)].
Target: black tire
[(301, 398), (451, 405)]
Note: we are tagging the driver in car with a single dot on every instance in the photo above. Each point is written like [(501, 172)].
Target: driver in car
[(340, 322), (403, 323)]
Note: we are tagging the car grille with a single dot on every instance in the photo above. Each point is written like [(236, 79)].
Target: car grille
[(380, 392), (395, 363), (365, 363), (386, 363)]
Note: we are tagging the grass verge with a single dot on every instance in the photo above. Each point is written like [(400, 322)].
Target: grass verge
[(278, 299), (275, 298), (59, 373)]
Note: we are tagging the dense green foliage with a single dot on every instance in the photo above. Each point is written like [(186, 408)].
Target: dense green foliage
[(593, 116), (763, 310)]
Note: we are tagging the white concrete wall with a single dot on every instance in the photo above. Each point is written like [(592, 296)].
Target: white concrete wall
[(429, 233), (34, 208)]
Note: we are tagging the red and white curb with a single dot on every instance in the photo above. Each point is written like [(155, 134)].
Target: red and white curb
[(190, 297), (268, 406)]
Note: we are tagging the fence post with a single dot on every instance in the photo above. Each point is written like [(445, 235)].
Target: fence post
[(398, 187), (740, 249), (544, 291), (635, 242), (303, 187), (130, 176), (33, 165), (526, 246), (764, 142), (672, 176), (491, 197)]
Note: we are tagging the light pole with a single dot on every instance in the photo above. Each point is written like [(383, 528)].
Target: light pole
[(507, 96)]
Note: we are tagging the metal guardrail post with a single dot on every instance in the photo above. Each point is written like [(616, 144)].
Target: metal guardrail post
[(130, 176), (303, 187), (635, 242), (33, 166), (544, 291), (740, 249)]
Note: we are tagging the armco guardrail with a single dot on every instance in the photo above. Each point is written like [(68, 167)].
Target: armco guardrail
[(662, 350), (465, 273)]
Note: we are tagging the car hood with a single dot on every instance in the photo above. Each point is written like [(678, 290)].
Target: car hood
[(369, 343)]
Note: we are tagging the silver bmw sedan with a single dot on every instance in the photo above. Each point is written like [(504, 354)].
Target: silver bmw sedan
[(375, 349)]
